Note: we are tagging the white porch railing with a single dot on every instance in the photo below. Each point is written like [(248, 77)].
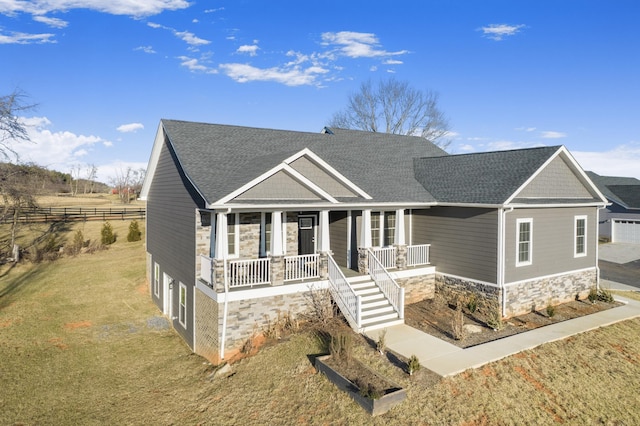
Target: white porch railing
[(349, 303), (386, 256), (418, 254), (206, 269), (388, 286), (249, 272), (301, 267)]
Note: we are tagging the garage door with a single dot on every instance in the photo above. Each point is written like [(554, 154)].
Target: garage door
[(626, 231)]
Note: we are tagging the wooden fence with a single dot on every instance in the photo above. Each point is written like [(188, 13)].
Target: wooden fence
[(73, 214)]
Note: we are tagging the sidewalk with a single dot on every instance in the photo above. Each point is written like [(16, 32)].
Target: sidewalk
[(446, 359)]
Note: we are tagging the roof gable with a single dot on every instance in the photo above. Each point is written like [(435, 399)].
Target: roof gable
[(624, 191)]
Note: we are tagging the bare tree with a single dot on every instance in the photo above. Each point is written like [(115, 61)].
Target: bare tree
[(394, 107), (127, 183), (91, 174), (12, 129)]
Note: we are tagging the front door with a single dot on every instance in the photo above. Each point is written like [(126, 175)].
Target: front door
[(306, 234)]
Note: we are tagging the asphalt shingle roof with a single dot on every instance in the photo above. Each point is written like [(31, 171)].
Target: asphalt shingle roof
[(220, 158), (624, 191), (485, 178)]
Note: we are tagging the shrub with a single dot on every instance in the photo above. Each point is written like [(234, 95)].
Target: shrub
[(78, 243), (413, 365), (341, 345), (551, 310), (494, 320), (472, 303), (381, 344), (593, 295), (108, 236), (605, 296), (367, 389), (457, 323), (134, 232)]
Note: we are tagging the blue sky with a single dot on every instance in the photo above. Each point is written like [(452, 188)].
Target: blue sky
[(510, 74)]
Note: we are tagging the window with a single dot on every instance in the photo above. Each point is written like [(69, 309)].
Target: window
[(389, 228), (182, 314), (580, 233), (156, 279), (524, 248), (232, 234), (375, 229), (265, 234)]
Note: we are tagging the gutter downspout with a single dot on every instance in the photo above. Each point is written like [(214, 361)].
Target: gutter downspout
[(598, 246), (225, 310), (501, 259)]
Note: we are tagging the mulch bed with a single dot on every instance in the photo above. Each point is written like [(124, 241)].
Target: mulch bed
[(434, 317)]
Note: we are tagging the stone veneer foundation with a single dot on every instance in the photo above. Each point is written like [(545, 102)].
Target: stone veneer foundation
[(454, 289), (527, 296)]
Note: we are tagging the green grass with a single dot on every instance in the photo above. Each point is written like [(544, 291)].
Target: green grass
[(76, 347)]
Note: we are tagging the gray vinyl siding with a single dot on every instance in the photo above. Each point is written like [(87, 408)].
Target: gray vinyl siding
[(321, 178), (338, 236), (556, 180), (463, 240), (171, 206), (280, 186), (552, 242)]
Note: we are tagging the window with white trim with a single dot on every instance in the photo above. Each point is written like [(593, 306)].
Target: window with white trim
[(156, 279), (233, 236), (580, 236), (182, 312), (389, 228), (265, 234), (524, 230), (375, 229)]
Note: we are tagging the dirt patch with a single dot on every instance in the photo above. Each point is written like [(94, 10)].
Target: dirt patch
[(434, 317), (143, 288), (58, 343), (76, 325)]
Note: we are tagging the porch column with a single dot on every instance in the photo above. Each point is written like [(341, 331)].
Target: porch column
[(220, 250), (399, 241), (364, 242), (324, 243), (277, 252)]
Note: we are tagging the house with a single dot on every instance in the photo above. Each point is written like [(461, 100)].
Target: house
[(620, 222), (244, 224)]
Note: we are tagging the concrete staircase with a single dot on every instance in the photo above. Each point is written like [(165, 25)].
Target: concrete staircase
[(377, 312)]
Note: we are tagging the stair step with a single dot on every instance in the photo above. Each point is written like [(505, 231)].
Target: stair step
[(378, 301), (358, 279), (377, 318), (367, 284), (367, 291), (381, 324), (377, 310)]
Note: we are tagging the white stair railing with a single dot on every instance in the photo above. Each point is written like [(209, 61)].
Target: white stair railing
[(349, 303), (389, 287)]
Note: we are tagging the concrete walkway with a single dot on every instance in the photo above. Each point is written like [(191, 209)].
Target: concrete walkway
[(446, 359)]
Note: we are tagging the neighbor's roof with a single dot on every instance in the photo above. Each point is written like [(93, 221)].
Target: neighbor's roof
[(486, 177), (218, 159), (624, 191)]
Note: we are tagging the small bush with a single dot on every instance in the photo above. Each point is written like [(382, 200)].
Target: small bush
[(413, 365), (368, 389), (494, 320), (381, 344), (341, 345), (593, 295), (551, 310), (108, 236), (472, 303), (457, 323), (605, 296), (134, 232), (78, 243)]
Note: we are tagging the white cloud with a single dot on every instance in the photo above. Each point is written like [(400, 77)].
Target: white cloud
[(214, 10), (194, 65), (145, 49), (553, 135), (57, 150), (393, 62), (190, 38), (526, 129), (106, 172), (500, 31), (357, 45), (52, 22), (24, 38), (250, 49), (295, 76), (622, 160), (131, 127), (136, 8)]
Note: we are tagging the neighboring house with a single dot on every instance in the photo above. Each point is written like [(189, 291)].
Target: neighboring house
[(620, 222), (244, 224)]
